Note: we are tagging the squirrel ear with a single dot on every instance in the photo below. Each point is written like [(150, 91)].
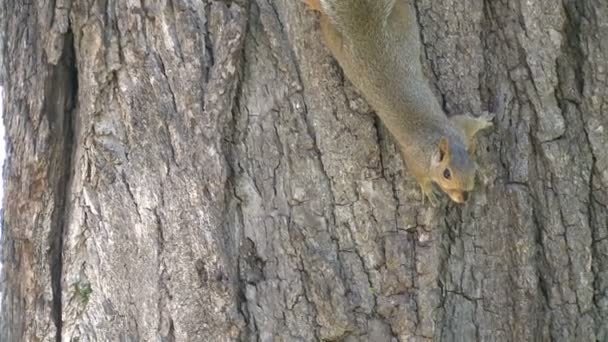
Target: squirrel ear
[(444, 148)]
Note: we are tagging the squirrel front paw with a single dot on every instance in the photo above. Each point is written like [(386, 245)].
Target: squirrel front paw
[(427, 192), (485, 120), (471, 125)]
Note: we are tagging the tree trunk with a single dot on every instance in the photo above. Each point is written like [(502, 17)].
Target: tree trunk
[(202, 171)]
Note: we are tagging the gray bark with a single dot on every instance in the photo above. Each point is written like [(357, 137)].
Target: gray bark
[(202, 171)]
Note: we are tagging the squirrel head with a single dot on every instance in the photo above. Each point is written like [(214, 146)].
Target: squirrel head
[(453, 170)]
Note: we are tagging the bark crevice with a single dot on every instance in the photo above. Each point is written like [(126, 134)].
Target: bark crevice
[(60, 107)]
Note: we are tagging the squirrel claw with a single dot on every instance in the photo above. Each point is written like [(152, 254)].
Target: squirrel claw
[(427, 192), (432, 199), (486, 119)]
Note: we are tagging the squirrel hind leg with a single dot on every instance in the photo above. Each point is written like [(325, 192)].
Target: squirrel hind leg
[(470, 126), (314, 5)]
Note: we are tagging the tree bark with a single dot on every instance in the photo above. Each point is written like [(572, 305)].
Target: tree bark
[(202, 171)]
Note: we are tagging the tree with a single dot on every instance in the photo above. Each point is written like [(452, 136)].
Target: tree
[(202, 171)]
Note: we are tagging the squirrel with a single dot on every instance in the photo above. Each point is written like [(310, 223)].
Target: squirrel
[(376, 43)]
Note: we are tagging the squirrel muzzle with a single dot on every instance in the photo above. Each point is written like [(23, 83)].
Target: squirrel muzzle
[(458, 196)]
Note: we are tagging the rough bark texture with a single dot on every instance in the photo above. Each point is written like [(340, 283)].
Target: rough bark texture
[(201, 171)]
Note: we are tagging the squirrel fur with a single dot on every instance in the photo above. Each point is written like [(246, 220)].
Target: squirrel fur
[(376, 42)]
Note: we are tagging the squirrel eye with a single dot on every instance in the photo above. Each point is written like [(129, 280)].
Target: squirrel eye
[(447, 174)]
